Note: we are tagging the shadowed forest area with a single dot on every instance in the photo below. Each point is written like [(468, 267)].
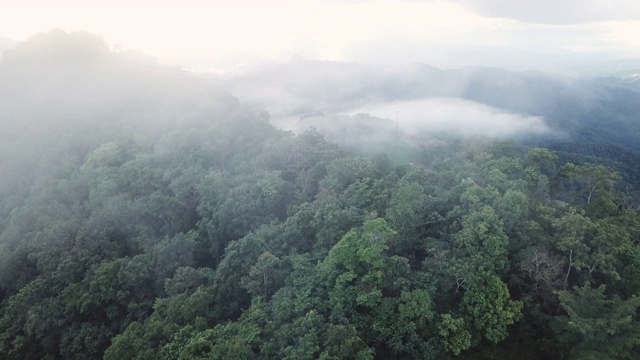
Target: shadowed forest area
[(146, 213)]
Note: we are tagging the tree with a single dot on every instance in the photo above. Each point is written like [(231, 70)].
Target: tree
[(490, 306), (388, 304), (597, 326)]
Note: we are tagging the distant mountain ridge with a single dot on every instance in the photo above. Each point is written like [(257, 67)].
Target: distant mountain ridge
[(617, 68), (602, 110), (621, 73), (585, 109)]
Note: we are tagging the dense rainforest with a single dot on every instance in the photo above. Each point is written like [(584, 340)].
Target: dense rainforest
[(147, 214)]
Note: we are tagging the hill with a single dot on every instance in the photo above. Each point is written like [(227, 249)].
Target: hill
[(576, 109)]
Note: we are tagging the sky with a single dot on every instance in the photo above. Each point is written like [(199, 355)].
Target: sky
[(515, 34)]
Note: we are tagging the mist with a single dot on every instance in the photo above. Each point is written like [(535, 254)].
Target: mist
[(457, 116), (5, 44), (64, 94), (330, 179)]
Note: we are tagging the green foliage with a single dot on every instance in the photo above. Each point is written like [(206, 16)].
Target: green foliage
[(491, 308), (453, 334), (598, 326)]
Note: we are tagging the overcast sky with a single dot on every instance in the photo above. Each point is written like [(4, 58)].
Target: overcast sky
[(516, 34)]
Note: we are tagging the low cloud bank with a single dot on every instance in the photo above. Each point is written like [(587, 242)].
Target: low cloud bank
[(454, 115)]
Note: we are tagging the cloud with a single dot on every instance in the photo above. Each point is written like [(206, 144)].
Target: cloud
[(372, 128), (556, 12), (454, 115), (222, 33)]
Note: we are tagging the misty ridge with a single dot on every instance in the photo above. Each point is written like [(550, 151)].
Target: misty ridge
[(487, 101), (76, 75), (70, 92)]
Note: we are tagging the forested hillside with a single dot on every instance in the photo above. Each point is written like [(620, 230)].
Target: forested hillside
[(147, 214), (585, 110)]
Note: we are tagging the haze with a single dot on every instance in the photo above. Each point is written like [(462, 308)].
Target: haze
[(319, 180), (546, 35)]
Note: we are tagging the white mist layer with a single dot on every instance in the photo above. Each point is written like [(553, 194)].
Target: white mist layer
[(455, 115)]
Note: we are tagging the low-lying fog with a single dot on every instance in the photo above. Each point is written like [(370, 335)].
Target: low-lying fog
[(432, 115), (455, 115)]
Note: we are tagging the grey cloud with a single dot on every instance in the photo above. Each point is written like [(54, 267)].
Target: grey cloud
[(556, 12)]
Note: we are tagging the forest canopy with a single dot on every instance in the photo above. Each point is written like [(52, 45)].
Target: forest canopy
[(149, 214)]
